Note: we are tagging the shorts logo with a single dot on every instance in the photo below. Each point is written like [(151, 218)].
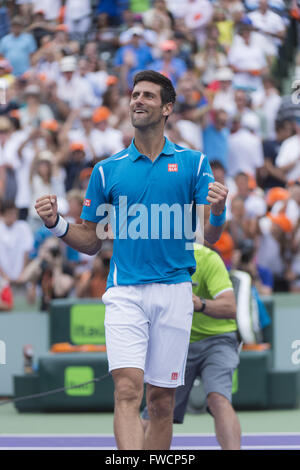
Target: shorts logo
[(174, 376), (172, 167), (87, 202)]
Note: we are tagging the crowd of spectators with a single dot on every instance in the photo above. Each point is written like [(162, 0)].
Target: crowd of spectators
[(66, 73)]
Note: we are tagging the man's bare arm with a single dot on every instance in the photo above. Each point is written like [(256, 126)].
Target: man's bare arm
[(223, 306), (81, 237)]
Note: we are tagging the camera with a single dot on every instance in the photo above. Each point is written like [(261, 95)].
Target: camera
[(55, 251)]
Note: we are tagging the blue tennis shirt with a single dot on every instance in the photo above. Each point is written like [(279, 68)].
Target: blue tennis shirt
[(151, 207)]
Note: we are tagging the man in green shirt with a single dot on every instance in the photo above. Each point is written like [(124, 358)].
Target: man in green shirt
[(213, 352)]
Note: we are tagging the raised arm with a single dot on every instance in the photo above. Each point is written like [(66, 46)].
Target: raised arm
[(81, 237), (215, 213)]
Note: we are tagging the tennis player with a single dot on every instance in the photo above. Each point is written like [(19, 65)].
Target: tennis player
[(148, 300)]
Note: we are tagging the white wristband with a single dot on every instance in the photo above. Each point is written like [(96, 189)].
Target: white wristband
[(60, 228)]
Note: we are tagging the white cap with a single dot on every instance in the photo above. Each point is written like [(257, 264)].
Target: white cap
[(45, 156), (251, 122), (32, 90), (136, 31), (68, 64), (224, 74), (86, 113), (129, 33)]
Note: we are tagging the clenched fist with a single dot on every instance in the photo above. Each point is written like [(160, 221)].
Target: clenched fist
[(46, 207), (217, 195)]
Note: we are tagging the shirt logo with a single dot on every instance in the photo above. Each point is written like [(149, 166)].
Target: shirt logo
[(172, 167), (174, 376), (87, 202)]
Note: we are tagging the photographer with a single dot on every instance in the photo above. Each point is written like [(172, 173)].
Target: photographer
[(92, 283), (49, 272)]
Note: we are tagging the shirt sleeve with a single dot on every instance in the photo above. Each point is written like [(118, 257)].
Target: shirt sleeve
[(288, 153), (216, 276), (203, 178), (31, 44), (95, 198)]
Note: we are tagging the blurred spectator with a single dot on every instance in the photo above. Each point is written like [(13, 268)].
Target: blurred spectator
[(270, 28), (132, 57), (243, 110), (288, 158), (245, 188), (224, 97), (183, 130), (79, 128), (267, 103), (4, 20), (288, 203), (8, 160), (77, 17), (5, 72), (49, 273), (16, 243), (34, 111), (272, 249), (225, 248), (244, 260), (116, 103), (92, 283), (247, 61), (111, 9), (18, 46), (169, 64), (39, 27), (245, 152), (160, 19), (215, 138), (73, 161), (50, 8), (240, 226), (107, 140), (6, 296), (270, 175), (91, 70), (209, 59), (72, 89), (293, 274), (197, 16), (45, 175), (192, 102)]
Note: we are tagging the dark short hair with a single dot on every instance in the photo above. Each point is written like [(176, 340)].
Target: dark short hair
[(7, 206), (167, 91), (217, 165)]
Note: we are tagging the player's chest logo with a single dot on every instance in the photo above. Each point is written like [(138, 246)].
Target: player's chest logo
[(172, 167)]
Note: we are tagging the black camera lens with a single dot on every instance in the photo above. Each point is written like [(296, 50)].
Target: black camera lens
[(55, 251)]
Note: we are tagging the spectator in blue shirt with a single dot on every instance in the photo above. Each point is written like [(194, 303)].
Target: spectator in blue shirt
[(215, 138), (169, 65), (134, 56), (17, 47), (4, 22), (113, 9)]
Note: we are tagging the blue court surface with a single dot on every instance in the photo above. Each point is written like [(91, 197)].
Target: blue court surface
[(270, 441)]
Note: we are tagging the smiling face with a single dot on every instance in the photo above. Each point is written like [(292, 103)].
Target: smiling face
[(146, 107)]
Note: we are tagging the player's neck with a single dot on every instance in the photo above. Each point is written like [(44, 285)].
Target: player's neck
[(149, 143)]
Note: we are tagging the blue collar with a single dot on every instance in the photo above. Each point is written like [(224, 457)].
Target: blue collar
[(134, 154)]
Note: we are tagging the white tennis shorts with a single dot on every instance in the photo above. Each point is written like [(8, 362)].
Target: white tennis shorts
[(148, 327)]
